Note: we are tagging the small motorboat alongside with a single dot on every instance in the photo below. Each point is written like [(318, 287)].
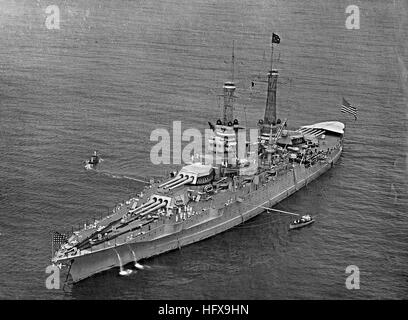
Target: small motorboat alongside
[(302, 222)]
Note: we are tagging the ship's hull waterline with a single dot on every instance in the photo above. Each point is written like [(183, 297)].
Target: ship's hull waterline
[(220, 220)]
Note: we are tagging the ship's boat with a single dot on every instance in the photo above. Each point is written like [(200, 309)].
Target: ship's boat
[(205, 198), (302, 222), (92, 162)]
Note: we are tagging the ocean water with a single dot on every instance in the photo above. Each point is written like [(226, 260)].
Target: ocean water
[(117, 70)]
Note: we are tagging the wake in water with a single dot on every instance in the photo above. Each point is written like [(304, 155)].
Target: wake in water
[(113, 174), (119, 176)]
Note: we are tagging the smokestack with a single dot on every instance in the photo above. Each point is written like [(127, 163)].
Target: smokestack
[(270, 110), (228, 111)]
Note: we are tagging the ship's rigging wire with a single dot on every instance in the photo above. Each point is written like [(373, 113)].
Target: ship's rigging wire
[(266, 210)]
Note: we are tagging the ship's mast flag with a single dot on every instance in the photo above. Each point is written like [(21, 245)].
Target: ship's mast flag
[(275, 38), (346, 107)]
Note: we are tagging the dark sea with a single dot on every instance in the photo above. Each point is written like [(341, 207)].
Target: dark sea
[(118, 69)]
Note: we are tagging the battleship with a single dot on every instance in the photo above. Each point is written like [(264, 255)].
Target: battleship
[(201, 200)]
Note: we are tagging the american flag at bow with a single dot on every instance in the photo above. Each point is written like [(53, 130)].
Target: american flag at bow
[(346, 107), (59, 238)]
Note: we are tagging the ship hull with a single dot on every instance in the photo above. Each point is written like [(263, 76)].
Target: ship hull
[(220, 220)]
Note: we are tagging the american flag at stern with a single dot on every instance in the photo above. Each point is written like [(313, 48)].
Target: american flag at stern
[(346, 107)]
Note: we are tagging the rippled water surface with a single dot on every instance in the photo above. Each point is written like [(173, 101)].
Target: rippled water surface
[(116, 70)]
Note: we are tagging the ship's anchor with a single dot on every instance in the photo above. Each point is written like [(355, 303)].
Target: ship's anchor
[(66, 278)]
